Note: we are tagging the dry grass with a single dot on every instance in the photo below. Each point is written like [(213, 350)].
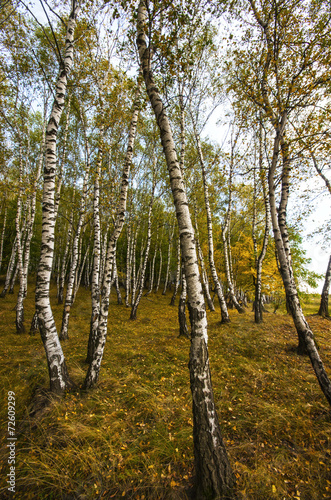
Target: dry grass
[(131, 437)]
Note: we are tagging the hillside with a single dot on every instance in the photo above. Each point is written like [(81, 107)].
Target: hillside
[(132, 436)]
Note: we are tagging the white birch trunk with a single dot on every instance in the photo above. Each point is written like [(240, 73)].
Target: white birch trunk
[(278, 218), (226, 246), (144, 264), (160, 272), (3, 235), (64, 335), (19, 238), (171, 236), (204, 277), (128, 265), (173, 298), (324, 305), (58, 374), (216, 280), (99, 341), (213, 472), (10, 268), (64, 261)]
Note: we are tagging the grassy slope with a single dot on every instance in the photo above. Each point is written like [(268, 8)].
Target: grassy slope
[(132, 436)]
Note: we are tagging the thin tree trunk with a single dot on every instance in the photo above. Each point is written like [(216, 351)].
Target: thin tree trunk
[(278, 218), (204, 277), (29, 233), (60, 172), (99, 341), (133, 266), (148, 245), (160, 271), (183, 330), (138, 276), (258, 302), (14, 279), (128, 264), (324, 305), (214, 477), (117, 285), (217, 282), (173, 298), (151, 279), (10, 269), (81, 270), (64, 262), (64, 335), (171, 235), (19, 238), (3, 235), (225, 232), (58, 373)]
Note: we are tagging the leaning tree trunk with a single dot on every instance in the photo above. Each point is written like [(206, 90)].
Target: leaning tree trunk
[(99, 340), (19, 238), (183, 330), (173, 298), (128, 264), (214, 477), (59, 377), (64, 335), (278, 218), (133, 264), (258, 304), (81, 270), (171, 235), (10, 269), (160, 269), (116, 282), (144, 265), (29, 230), (204, 277), (3, 235), (217, 283), (151, 278), (64, 262), (324, 305), (225, 231)]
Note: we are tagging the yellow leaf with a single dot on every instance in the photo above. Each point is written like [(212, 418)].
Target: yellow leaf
[(273, 488)]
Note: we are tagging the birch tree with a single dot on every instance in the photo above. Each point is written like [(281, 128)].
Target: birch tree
[(58, 373), (98, 336), (214, 475)]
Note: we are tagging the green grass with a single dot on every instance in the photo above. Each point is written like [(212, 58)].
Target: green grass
[(131, 437)]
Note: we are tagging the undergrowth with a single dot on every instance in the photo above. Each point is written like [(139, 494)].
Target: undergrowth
[(131, 437)]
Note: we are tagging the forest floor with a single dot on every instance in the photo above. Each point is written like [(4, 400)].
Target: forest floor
[(131, 437)]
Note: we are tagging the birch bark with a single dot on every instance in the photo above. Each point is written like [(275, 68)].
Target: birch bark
[(58, 373), (144, 265), (3, 234), (19, 238), (225, 232), (278, 218), (171, 236), (324, 305), (213, 472), (10, 269), (204, 277), (64, 335), (173, 298), (99, 340), (217, 282)]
